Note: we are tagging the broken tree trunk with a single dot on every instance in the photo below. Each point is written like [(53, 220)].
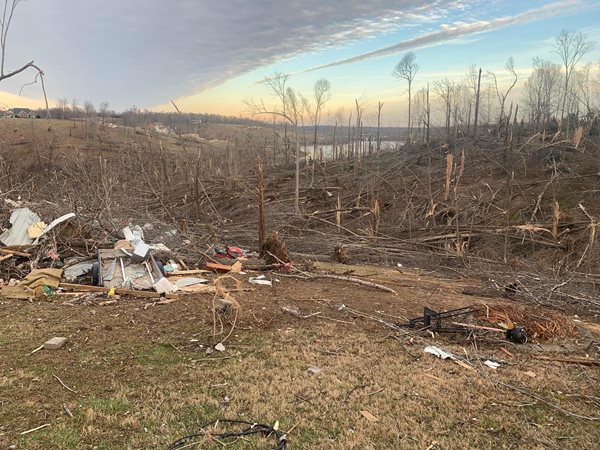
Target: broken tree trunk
[(477, 104)]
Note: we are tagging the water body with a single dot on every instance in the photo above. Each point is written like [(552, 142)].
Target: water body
[(327, 149)]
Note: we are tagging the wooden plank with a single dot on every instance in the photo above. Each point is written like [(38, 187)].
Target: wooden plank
[(188, 272), (118, 291), (198, 289), (9, 251), (218, 267)]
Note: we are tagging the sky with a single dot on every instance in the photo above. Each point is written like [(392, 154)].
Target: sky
[(210, 56)]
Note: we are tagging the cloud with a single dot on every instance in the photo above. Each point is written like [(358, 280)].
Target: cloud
[(452, 32), (149, 51)]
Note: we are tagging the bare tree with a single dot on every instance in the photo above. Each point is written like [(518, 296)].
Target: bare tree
[(474, 83), (63, 107), (7, 16), (570, 47), (360, 108), (291, 109), (541, 91), (104, 109), (407, 69), (502, 95), (339, 117), (584, 88), (89, 109), (75, 107), (379, 108), (444, 89), (322, 94), (427, 116)]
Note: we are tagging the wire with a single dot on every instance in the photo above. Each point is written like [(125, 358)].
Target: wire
[(253, 428)]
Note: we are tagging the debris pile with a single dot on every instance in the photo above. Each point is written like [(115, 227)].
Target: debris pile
[(126, 265)]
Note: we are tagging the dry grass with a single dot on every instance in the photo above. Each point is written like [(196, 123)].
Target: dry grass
[(143, 378)]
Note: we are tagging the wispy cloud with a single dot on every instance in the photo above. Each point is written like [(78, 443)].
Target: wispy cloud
[(447, 33)]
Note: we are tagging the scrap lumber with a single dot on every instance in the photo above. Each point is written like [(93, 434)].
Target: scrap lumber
[(198, 289), (189, 272), (358, 281), (9, 251), (218, 267), (118, 291)]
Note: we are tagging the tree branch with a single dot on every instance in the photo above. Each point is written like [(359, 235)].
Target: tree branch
[(18, 71)]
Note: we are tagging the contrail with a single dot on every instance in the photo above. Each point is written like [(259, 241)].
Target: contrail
[(449, 32)]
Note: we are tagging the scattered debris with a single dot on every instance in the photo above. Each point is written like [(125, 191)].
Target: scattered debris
[(217, 267), (64, 385), (71, 273), (220, 347), (67, 410), (223, 304), (436, 351), (314, 370), (236, 267), (35, 429), (36, 230), (32, 286), (189, 281), (164, 286), (55, 223), (438, 321), (491, 364), (261, 279), (296, 312), (370, 417), (117, 291), (517, 335), (20, 219), (140, 252), (442, 354), (55, 343)]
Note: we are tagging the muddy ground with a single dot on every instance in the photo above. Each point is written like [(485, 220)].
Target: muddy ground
[(139, 376)]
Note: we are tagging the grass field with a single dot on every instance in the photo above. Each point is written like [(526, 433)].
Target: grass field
[(142, 377)]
